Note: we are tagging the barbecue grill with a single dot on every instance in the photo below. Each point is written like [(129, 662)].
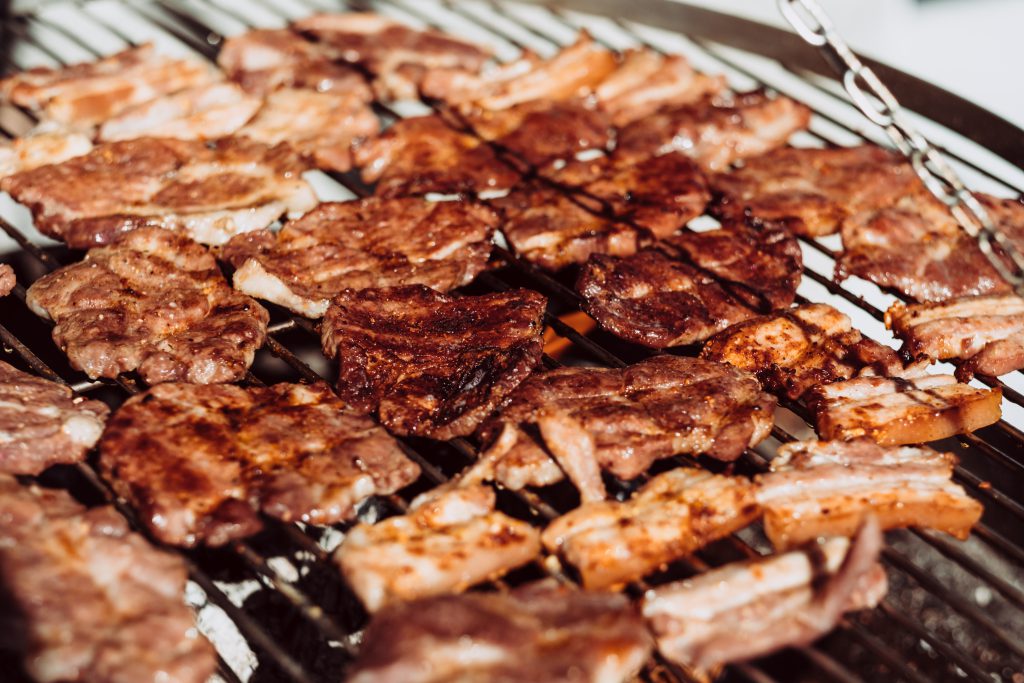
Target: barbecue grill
[(274, 605)]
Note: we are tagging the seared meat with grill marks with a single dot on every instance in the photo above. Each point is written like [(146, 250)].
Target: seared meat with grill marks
[(716, 131), (893, 411), (985, 331), (155, 302), (210, 191), (795, 350), (431, 364), (916, 247), (670, 517), (424, 154), (444, 545), (744, 610), (824, 488), (200, 463), (538, 632), (814, 190), (263, 60), (360, 244), (42, 424), (87, 94), (40, 148), (7, 279), (550, 230), (86, 599)]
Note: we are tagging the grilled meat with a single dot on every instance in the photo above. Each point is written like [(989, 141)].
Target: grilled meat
[(444, 545), (670, 517), (715, 131), (539, 632), (87, 94), (7, 279), (825, 488), (200, 463), (516, 460), (155, 302), (40, 148), (424, 154), (88, 600), (795, 350), (430, 364), (359, 244), (893, 411), (42, 424), (985, 331), (210, 191), (744, 610)]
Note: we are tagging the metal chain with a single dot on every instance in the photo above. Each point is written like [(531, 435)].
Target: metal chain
[(877, 102)]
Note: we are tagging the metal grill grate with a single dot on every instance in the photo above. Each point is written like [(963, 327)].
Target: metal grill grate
[(274, 605)]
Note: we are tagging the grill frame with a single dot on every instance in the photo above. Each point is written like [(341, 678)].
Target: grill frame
[(259, 564)]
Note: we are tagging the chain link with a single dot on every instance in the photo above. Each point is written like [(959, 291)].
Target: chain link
[(877, 102)]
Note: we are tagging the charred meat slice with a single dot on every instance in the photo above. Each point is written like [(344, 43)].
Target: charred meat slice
[(744, 610), (89, 599), (444, 545), (825, 488), (360, 244), (42, 424), (7, 279), (209, 191), (431, 364), (538, 632), (41, 148), (793, 351), (200, 463), (985, 331), (670, 517), (155, 302)]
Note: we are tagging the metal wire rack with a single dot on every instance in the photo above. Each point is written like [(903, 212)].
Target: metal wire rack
[(275, 606)]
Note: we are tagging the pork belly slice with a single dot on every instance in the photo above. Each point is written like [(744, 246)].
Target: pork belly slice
[(42, 423), (792, 351), (90, 600), (813, 191), (155, 302), (7, 279), (825, 488), (985, 331), (670, 517), (538, 632), (87, 94), (894, 411), (202, 463), (716, 131), (207, 190), (444, 545), (429, 364), (264, 60), (424, 154), (40, 148), (745, 610)]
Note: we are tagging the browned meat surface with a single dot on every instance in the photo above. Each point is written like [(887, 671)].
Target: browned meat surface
[(87, 94), (201, 463), (985, 331), (424, 154), (916, 247), (39, 148), (88, 599), (550, 230), (263, 60), (795, 350), (670, 517), (155, 302), (7, 279), (716, 131), (42, 424), (824, 488), (814, 190), (654, 409), (430, 364), (745, 610), (539, 632), (209, 191), (360, 244)]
